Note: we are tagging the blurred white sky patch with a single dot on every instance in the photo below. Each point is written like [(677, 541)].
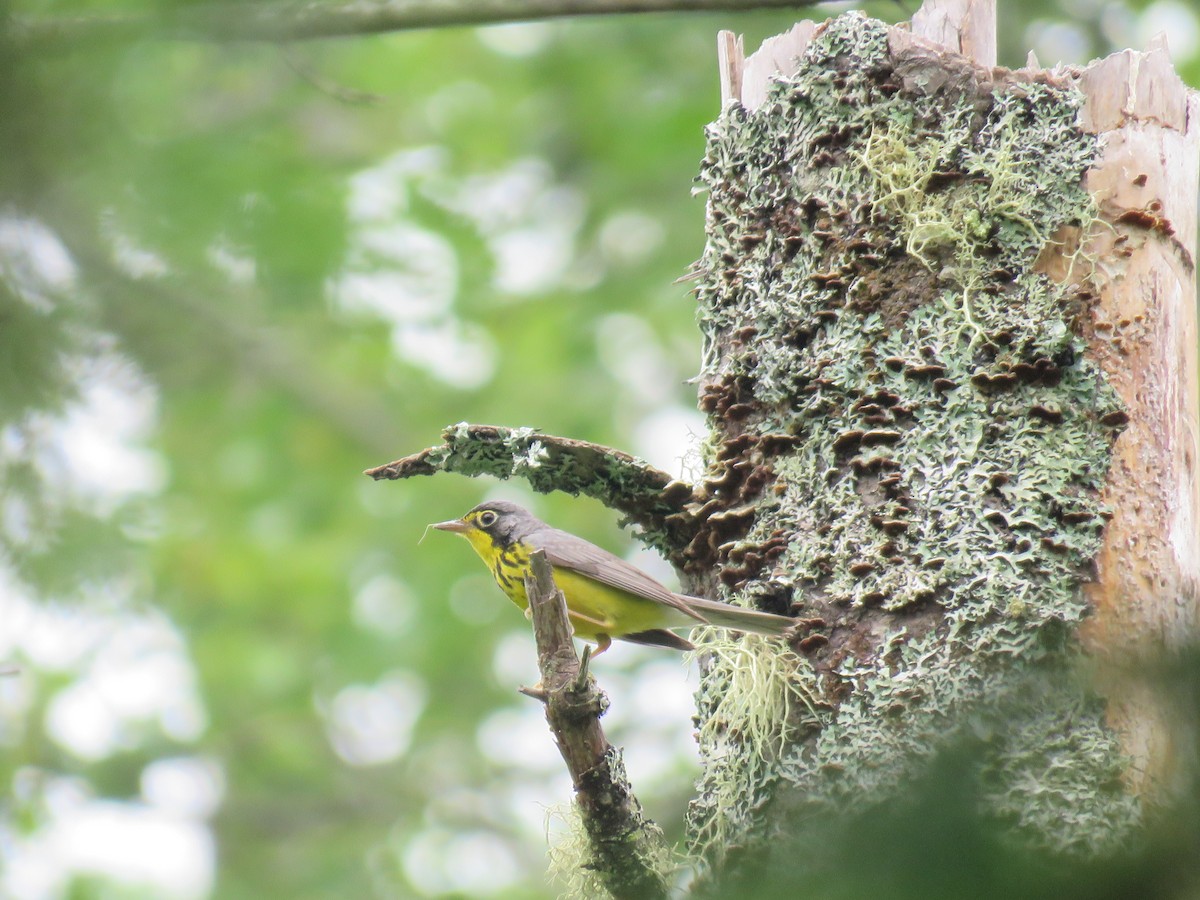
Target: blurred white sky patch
[(459, 101), (440, 861), (166, 855), (371, 724), (383, 605), (184, 786), (380, 194), (630, 351), (403, 273), (530, 221), (517, 736), (133, 681), (461, 354), (533, 259), (665, 433), (34, 261), (132, 258), (1117, 23), (137, 676), (99, 442), (1179, 22), (514, 661), (238, 267), (629, 237), (1058, 42), (517, 40), (409, 275), (52, 636), (670, 438)]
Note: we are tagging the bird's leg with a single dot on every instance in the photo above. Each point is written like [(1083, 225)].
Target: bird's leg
[(598, 625), (603, 642)]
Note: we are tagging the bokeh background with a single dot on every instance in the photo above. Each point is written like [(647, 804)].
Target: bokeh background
[(232, 276)]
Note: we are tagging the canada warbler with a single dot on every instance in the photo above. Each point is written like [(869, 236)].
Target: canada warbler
[(606, 597)]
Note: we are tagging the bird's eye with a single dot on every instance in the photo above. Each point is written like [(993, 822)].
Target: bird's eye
[(487, 518)]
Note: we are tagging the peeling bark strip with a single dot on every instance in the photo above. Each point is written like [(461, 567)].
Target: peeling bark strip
[(646, 495), (1142, 331), (626, 853), (930, 418)]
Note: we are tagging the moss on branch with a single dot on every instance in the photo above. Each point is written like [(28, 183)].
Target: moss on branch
[(647, 496)]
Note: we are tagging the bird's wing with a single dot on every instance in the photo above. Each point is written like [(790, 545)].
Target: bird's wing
[(571, 552), (660, 637), (727, 615)]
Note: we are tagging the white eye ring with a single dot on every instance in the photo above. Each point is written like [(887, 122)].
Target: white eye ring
[(487, 519)]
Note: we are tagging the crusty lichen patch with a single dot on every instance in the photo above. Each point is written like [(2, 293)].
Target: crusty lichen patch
[(646, 495), (912, 400)]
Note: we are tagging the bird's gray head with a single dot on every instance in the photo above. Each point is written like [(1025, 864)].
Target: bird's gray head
[(506, 523)]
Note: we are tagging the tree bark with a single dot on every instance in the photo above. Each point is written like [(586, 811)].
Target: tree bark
[(1142, 332), (943, 430)]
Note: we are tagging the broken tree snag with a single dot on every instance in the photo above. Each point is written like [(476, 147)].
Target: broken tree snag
[(911, 434), (626, 853), (1141, 328), (649, 497), (967, 27)]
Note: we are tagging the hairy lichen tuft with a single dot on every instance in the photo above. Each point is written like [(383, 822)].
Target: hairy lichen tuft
[(756, 698), (573, 867)]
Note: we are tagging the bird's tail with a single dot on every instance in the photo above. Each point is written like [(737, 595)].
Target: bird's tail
[(728, 616)]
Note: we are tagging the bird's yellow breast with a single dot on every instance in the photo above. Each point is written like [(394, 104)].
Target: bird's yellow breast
[(594, 608)]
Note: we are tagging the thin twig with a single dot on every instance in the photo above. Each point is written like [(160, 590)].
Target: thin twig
[(623, 842), (285, 21)]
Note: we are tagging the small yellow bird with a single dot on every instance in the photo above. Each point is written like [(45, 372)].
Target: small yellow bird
[(606, 597)]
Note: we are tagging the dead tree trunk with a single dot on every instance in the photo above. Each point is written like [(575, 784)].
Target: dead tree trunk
[(950, 369)]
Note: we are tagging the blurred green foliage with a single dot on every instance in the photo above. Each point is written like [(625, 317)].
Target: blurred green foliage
[(231, 277)]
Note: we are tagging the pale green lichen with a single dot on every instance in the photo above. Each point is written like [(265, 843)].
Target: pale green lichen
[(877, 237), (569, 853), (573, 868), (765, 694)]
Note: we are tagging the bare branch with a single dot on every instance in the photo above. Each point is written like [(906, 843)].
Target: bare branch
[(650, 497), (623, 842), (282, 21)]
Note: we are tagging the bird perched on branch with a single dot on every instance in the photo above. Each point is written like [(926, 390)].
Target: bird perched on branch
[(607, 598)]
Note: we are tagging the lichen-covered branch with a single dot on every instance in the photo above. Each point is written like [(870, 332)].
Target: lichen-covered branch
[(625, 850), (646, 495)]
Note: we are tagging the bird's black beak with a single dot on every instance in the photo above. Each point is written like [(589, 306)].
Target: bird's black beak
[(458, 526)]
